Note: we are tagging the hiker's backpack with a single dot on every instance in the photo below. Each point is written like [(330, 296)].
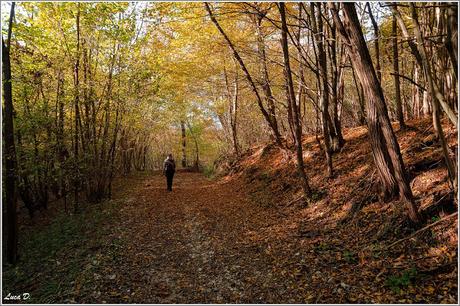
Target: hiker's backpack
[(169, 167)]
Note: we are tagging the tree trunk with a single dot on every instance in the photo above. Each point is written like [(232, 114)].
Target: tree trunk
[(61, 150), (385, 148), (253, 86), (337, 140), (10, 199), (436, 97), (376, 41), (416, 93), (292, 103), (77, 113), (452, 36), (426, 111), (234, 115), (317, 24), (232, 110), (184, 152), (197, 151), (360, 93), (266, 78), (113, 150), (399, 110), (339, 95), (424, 65)]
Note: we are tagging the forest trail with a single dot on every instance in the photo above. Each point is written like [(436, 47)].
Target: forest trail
[(207, 241), (191, 246), (96, 94), (245, 238)]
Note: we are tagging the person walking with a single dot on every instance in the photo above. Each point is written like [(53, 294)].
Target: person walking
[(169, 168)]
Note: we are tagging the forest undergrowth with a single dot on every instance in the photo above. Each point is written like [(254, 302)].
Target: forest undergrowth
[(353, 235), (249, 237)]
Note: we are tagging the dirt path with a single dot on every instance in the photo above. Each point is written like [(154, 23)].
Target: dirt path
[(215, 242), (209, 242), (191, 246)]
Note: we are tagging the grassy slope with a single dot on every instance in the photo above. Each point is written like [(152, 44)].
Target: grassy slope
[(60, 251)]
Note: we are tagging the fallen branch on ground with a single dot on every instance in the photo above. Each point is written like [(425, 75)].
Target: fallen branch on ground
[(421, 230), (295, 200)]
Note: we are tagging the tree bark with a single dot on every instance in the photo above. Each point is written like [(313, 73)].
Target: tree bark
[(424, 65), (10, 199), (232, 110), (376, 41), (385, 147), (184, 152), (399, 110), (76, 182), (292, 103), (317, 24), (337, 140), (339, 89), (416, 92), (426, 110), (253, 86), (360, 93), (234, 115), (435, 100), (197, 152), (265, 77), (452, 36)]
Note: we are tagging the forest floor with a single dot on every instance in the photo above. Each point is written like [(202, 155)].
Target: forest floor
[(232, 241)]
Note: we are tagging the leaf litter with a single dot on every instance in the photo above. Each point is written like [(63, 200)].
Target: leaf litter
[(249, 237)]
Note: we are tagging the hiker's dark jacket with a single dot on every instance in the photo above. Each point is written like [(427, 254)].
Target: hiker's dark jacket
[(169, 166)]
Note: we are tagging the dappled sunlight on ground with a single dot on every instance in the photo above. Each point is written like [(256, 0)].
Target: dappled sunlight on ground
[(346, 220)]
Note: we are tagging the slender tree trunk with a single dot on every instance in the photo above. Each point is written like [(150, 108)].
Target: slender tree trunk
[(248, 76), (435, 100), (424, 64), (184, 151), (385, 147), (292, 103), (301, 79), (234, 115), (113, 149), (318, 29), (48, 160), (77, 113), (335, 130), (339, 88), (399, 110), (426, 110), (416, 93), (61, 151), (452, 36), (376, 41), (197, 151), (10, 199), (266, 78)]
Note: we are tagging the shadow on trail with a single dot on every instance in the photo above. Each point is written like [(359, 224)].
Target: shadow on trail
[(190, 246)]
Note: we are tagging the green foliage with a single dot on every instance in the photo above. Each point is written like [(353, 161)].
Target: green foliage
[(376, 250), (67, 236), (350, 256), (265, 176), (397, 282), (322, 246), (209, 171), (317, 195)]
